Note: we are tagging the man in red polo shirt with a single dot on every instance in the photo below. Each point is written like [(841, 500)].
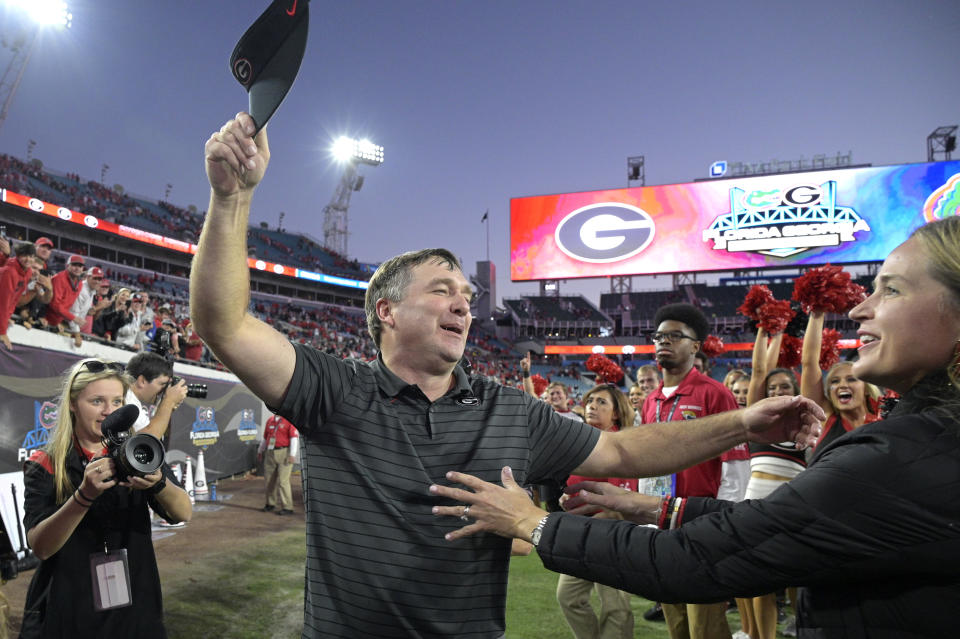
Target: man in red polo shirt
[(66, 289), (685, 393), (280, 440)]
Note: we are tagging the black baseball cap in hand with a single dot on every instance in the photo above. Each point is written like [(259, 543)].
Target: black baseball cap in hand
[(268, 56)]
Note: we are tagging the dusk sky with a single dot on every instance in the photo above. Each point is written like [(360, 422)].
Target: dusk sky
[(477, 102)]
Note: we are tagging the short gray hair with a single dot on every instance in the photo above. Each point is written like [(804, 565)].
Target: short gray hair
[(391, 279)]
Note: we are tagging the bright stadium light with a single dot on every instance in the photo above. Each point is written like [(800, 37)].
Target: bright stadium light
[(42, 13), (348, 149), (46, 12)]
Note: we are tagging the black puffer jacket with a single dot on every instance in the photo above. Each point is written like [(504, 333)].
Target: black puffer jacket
[(871, 531)]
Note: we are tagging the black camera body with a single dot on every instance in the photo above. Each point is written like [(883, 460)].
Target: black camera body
[(138, 454), (197, 391)]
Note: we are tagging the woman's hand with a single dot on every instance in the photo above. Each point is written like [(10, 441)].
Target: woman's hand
[(143, 483), (506, 511), (98, 476), (587, 495)]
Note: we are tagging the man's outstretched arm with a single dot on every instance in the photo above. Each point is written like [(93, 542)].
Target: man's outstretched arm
[(659, 449), (258, 354)]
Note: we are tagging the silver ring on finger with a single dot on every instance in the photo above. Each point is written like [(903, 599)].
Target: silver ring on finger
[(465, 516)]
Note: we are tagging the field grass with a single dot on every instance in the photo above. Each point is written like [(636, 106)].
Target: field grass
[(254, 590), (249, 591), (533, 611)]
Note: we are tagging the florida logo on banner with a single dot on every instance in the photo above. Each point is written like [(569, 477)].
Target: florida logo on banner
[(44, 420)]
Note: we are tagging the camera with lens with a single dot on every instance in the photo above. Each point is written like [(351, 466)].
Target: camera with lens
[(135, 454), (197, 391)]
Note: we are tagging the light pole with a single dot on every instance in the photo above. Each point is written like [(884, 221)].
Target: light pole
[(42, 13), (350, 152)]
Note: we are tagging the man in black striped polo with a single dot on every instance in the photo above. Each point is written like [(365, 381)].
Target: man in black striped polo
[(377, 434)]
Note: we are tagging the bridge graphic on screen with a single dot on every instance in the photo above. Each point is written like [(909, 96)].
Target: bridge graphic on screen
[(784, 222)]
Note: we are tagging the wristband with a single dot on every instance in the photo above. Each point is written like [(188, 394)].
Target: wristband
[(678, 505), (526, 374), (157, 487), (664, 511), (85, 497), (82, 505)]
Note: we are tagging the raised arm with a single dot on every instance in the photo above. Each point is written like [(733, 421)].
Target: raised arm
[(765, 355), (811, 377), (525, 372), (259, 355)]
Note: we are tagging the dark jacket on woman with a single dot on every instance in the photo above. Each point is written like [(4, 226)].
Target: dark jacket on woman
[(871, 531), (60, 600)]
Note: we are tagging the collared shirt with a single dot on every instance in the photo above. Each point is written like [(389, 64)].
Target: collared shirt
[(143, 420), (697, 396), (377, 561), (283, 433)]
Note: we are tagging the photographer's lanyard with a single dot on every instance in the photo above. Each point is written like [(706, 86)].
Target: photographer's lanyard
[(673, 409), (110, 569)]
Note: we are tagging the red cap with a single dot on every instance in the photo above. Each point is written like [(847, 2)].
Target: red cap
[(96, 271), (43, 241), (104, 283), (76, 259)]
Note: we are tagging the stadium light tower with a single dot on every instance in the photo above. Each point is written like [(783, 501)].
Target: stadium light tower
[(42, 13), (350, 153)]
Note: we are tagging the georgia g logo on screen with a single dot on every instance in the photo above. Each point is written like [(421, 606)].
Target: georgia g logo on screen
[(604, 232)]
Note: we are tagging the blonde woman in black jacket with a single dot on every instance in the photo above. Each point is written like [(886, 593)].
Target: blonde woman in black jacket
[(871, 530)]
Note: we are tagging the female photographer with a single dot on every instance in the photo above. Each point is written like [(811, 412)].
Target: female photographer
[(871, 530), (98, 574)]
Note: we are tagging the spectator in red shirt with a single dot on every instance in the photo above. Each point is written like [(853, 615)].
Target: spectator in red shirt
[(39, 291), (280, 441), (44, 246), (13, 282), (193, 349), (66, 288)]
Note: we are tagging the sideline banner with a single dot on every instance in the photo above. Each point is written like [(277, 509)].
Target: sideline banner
[(225, 425)]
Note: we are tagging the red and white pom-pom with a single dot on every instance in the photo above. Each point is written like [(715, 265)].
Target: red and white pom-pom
[(540, 384), (829, 349), (606, 369), (757, 296), (827, 289), (713, 346), (790, 349), (774, 316)]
